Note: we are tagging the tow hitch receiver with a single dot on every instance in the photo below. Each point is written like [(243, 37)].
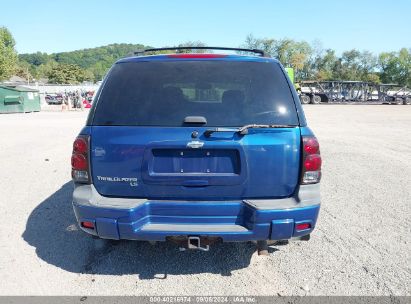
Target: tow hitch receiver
[(194, 242)]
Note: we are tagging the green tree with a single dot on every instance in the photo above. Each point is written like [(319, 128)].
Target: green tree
[(88, 75), (8, 55), (396, 67), (96, 60), (324, 64), (266, 45), (184, 44), (67, 74), (310, 61), (349, 69), (24, 70), (356, 65), (289, 52), (35, 59), (195, 44), (44, 70)]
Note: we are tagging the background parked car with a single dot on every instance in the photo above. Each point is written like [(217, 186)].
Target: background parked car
[(54, 99)]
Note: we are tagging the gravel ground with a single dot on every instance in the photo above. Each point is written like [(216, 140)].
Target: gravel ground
[(361, 245)]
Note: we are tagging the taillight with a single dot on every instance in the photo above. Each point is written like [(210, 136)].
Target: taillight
[(311, 145), (80, 145), (311, 163), (80, 160)]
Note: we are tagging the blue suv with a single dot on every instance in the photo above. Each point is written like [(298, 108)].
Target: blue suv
[(197, 148)]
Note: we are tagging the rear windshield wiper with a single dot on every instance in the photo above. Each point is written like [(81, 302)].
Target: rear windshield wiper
[(208, 132), (244, 129)]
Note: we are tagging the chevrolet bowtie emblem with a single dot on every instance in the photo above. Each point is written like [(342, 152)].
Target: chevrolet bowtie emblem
[(195, 144)]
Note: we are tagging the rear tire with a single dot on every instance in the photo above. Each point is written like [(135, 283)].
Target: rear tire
[(315, 99), (407, 101), (398, 101), (305, 99)]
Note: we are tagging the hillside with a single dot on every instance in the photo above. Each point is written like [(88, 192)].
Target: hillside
[(94, 61)]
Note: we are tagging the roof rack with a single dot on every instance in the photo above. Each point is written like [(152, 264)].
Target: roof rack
[(256, 51)]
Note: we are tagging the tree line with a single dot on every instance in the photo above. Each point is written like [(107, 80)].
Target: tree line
[(309, 60), (312, 62), (76, 66)]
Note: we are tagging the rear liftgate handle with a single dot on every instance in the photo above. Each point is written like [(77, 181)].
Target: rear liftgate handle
[(195, 183)]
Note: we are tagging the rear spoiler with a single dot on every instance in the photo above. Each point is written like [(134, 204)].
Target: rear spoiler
[(179, 48)]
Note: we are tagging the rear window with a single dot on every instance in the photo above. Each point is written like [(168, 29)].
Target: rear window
[(225, 93)]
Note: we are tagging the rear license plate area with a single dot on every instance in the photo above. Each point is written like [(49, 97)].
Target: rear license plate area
[(199, 162)]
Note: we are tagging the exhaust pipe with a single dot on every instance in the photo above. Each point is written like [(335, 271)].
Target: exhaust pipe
[(303, 238), (262, 247)]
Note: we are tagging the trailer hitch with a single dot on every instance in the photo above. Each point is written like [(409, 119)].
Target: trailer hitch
[(185, 242), (194, 243)]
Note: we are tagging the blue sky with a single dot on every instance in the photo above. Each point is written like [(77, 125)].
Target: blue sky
[(56, 26)]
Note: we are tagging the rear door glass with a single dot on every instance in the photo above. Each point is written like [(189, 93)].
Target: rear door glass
[(226, 93)]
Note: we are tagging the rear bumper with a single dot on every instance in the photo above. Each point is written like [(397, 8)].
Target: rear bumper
[(155, 220)]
